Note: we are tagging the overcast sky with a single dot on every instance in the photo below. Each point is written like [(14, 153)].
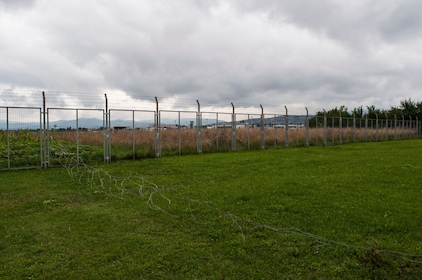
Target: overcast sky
[(294, 53)]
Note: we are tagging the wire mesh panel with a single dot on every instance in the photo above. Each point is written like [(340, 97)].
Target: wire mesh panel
[(316, 130), (4, 144), (249, 131), (210, 142), (20, 138), (293, 130), (359, 130), (223, 131), (132, 134), (180, 132), (78, 132), (371, 133)]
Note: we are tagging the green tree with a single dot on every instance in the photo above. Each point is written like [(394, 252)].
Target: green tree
[(358, 112), (332, 115), (373, 112), (408, 109)]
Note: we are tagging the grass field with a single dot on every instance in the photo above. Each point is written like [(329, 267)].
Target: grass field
[(340, 212)]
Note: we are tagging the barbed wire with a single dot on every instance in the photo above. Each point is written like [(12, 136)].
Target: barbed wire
[(82, 99), (129, 187), (417, 258), (100, 181)]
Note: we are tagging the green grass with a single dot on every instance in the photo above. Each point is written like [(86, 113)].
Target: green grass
[(273, 214)]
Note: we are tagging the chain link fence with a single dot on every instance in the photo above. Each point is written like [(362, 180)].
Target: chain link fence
[(32, 137)]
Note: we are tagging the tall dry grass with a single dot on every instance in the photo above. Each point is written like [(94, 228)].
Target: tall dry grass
[(216, 140)]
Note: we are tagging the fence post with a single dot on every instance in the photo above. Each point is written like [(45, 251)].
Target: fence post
[(274, 126), (286, 127), (44, 132), (417, 127), (179, 140), (366, 128), (325, 128), (249, 133), (354, 127), (297, 131), (133, 135), (262, 128), (410, 127), (395, 127), (157, 129), (216, 132), (376, 127), (106, 128), (233, 129), (8, 139), (307, 127), (340, 124), (41, 140), (198, 129), (77, 138), (386, 126), (402, 127)]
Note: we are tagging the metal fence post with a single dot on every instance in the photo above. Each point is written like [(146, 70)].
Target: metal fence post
[(199, 129), (325, 128), (106, 128), (316, 130), (307, 127), (233, 129), (133, 135), (386, 126), (8, 138), (366, 128), (41, 141), (410, 127), (216, 132), (286, 127), (262, 128), (274, 126), (340, 129), (77, 137), (249, 133), (44, 133), (395, 127), (376, 127), (297, 131), (178, 134), (402, 127), (157, 129)]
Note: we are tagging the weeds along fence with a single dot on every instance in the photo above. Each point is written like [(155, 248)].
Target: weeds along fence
[(37, 137)]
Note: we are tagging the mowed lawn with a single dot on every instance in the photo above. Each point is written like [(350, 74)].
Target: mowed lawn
[(341, 212)]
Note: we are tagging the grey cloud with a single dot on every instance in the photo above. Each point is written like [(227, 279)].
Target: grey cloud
[(404, 22), (256, 52), (353, 23), (16, 5)]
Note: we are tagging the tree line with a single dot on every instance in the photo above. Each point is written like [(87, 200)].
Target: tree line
[(408, 109)]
